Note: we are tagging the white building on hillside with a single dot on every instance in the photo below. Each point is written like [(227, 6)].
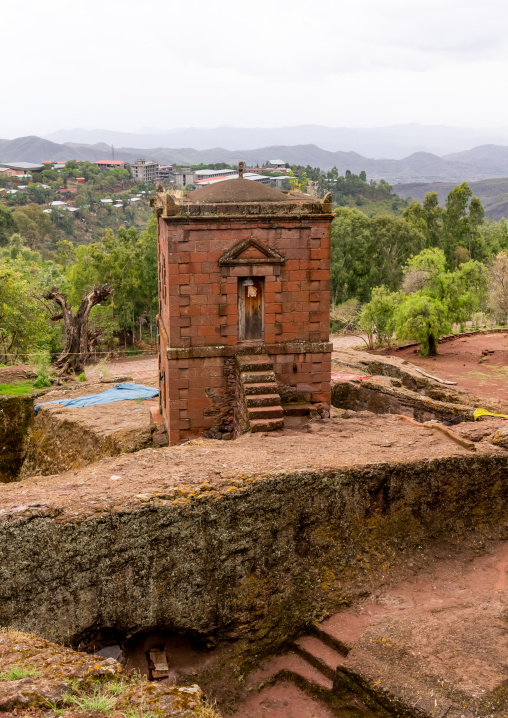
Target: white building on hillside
[(144, 171)]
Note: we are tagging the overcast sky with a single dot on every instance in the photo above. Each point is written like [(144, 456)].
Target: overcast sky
[(131, 64)]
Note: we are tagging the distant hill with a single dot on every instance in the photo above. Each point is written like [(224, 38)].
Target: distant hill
[(395, 141), (493, 194), (418, 167), (493, 157), (35, 149)]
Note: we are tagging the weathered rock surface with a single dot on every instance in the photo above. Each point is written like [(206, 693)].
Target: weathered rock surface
[(381, 396), (407, 373), (63, 677), (436, 643), (245, 539), (62, 438), (500, 437), (51, 667), (395, 386)]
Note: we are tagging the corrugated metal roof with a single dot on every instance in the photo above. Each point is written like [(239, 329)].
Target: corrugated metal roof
[(217, 173), (22, 166), (109, 162)]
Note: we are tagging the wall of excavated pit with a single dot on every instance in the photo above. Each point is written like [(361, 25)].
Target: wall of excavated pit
[(61, 439), (384, 399), (16, 413), (258, 559)]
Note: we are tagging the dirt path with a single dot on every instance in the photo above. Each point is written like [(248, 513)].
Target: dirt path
[(340, 342), (461, 360), (140, 367)]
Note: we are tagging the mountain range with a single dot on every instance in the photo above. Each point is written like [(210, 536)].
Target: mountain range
[(480, 163), (395, 141)]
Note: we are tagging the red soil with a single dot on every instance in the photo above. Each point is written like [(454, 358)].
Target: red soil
[(18, 372), (459, 360)]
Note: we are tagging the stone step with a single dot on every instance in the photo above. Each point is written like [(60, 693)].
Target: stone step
[(256, 362), (291, 665), (320, 655), (343, 630), (272, 399), (284, 699), (265, 412), (257, 425), (331, 639), (257, 377), (298, 409), (267, 387), (289, 686)]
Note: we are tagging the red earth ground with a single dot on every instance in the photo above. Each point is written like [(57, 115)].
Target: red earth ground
[(459, 360)]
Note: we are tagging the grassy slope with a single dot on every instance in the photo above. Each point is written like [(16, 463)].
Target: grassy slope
[(16, 388)]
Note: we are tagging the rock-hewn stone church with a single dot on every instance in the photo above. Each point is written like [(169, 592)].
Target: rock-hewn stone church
[(244, 294)]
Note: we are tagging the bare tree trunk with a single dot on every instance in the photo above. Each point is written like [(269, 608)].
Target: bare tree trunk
[(432, 346), (75, 353)]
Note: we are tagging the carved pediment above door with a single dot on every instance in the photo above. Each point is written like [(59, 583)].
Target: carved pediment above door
[(250, 251)]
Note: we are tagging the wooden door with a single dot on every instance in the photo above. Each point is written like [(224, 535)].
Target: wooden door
[(251, 308)]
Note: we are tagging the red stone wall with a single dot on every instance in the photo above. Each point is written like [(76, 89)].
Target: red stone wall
[(199, 310)]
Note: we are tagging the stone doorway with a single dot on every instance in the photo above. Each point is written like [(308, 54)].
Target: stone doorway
[(251, 309)]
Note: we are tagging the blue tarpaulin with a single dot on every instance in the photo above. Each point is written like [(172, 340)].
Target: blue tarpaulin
[(120, 392)]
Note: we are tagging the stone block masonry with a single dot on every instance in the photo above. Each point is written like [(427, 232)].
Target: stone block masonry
[(243, 278)]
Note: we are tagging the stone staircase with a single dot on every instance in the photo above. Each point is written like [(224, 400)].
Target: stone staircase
[(261, 399), (311, 680)]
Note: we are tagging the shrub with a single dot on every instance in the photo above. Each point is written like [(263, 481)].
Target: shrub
[(98, 702), (42, 364)]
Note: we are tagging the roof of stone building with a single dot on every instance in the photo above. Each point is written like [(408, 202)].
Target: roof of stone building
[(242, 190)]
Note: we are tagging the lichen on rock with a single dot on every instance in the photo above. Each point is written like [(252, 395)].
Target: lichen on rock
[(60, 676)]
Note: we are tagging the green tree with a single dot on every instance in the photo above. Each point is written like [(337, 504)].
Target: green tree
[(427, 219), (8, 225), (376, 317), (498, 286), (494, 236), (23, 318), (35, 226), (351, 250), (127, 262), (366, 253), (423, 318), (119, 174), (462, 219), (434, 298), (393, 242), (66, 253)]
